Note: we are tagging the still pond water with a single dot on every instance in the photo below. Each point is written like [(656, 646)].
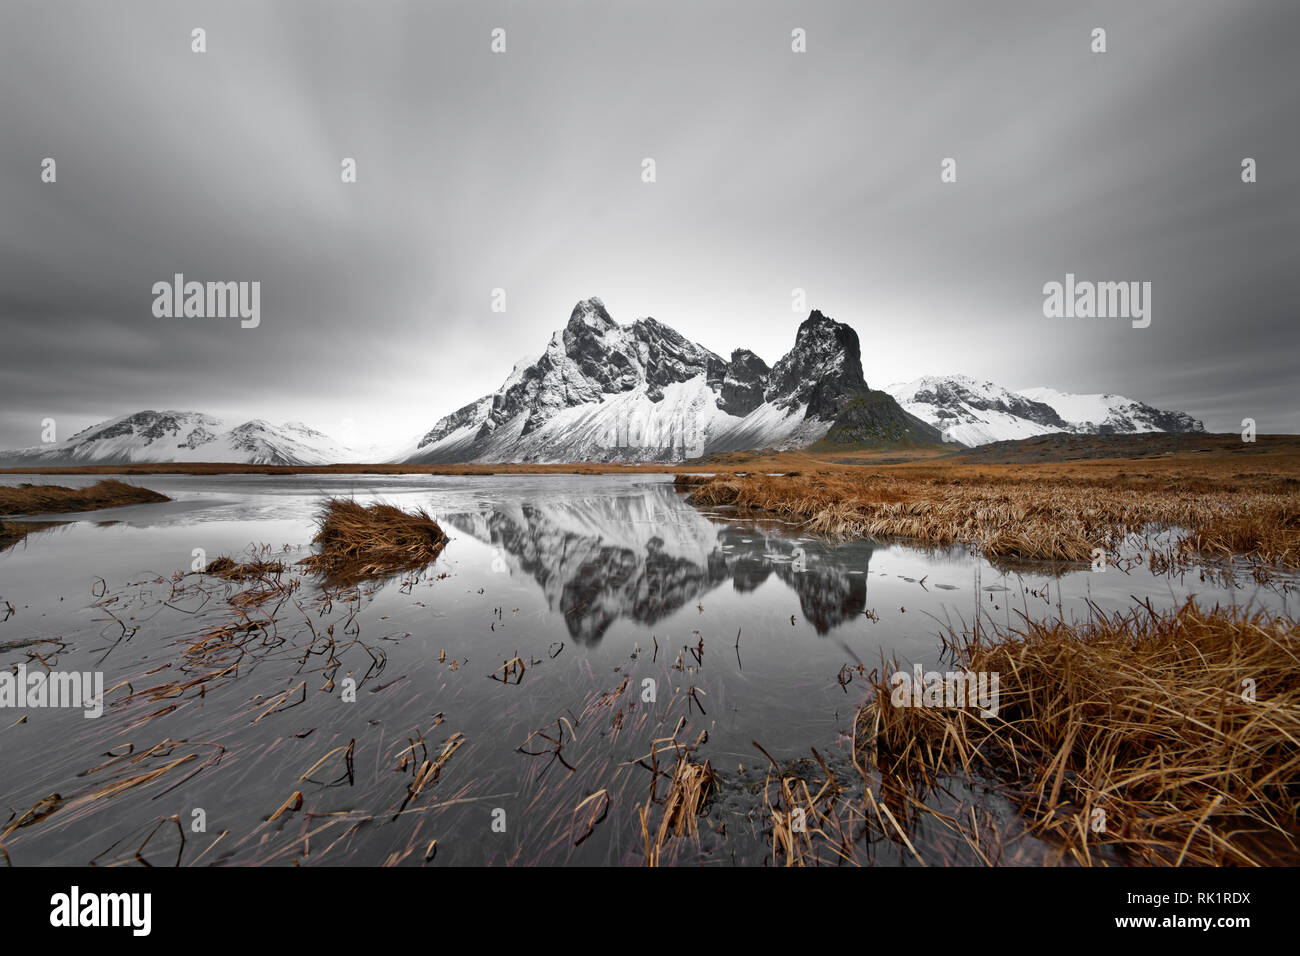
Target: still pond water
[(750, 631)]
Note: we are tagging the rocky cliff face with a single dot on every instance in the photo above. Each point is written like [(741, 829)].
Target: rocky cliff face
[(744, 384), (822, 372)]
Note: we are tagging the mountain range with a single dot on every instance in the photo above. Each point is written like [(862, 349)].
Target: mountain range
[(150, 436), (606, 392), (970, 412), (642, 392)]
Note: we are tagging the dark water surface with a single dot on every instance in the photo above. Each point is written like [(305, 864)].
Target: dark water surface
[(598, 585)]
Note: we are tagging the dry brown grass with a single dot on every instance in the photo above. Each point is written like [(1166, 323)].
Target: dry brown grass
[(48, 499), (357, 541), (266, 579), (1269, 531), (691, 786), (1026, 513), (804, 822), (231, 570), (1140, 715)]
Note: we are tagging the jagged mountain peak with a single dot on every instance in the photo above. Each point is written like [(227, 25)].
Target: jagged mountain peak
[(746, 356), (604, 391), (744, 383), (822, 370), (816, 318), (590, 313)]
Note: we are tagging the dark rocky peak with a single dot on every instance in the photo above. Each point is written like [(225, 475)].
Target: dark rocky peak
[(744, 384), (745, 363), (822, 370), (591, 341), (589, 316), (826, 343)]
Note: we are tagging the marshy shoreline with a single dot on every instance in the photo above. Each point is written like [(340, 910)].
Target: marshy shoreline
[(1023, 513)]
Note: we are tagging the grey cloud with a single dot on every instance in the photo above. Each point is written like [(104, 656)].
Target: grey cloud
[(521, 171)]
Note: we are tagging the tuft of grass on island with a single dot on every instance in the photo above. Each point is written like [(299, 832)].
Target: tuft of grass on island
[(359, 541), (355, 543), (27, 499)]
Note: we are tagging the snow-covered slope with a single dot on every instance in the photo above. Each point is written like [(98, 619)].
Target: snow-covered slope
[(974, 412), (971, 412), (1112, 414), (642, 392), (151, 436)]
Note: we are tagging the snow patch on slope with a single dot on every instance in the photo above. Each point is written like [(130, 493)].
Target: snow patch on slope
[(974, 412), (628, 426), (1086, 409)]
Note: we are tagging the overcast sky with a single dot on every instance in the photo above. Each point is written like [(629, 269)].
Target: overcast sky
[(522, 170)]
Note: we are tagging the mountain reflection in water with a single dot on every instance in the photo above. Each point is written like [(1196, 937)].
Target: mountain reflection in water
[(640, 555)]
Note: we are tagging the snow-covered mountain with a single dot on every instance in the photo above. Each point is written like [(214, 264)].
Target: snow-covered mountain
[(151, 436), (971, 412), (642, 392), (1112, 414)]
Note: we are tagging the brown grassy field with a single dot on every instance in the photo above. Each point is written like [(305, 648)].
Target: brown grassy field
[(48, 499), (1182, 728), (1051, 511)]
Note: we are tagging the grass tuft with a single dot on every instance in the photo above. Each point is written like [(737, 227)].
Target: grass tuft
[(359, 541), (29, 499), (1147, 717)]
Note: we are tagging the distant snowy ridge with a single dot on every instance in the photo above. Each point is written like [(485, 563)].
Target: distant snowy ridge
[(973, 412), (1112, 414), (181, 436)]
